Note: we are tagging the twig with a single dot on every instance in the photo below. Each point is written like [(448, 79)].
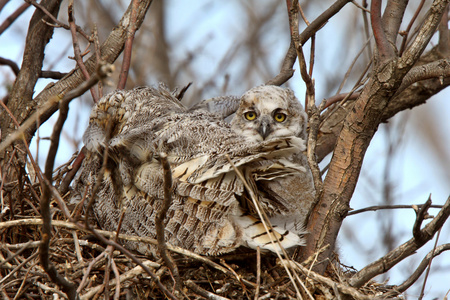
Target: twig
[(55, 20), (204, 293), (109, 234), (97, 57), (381, 207), (126, 62), (258, 272), (419, 270), (124, 277), (76, 47), (11, 18), (159, 220), (287, 70), (321, 20), (343, 288), (406, 249), (12, 272), (67, 286), (7, 62), (267, 226), (422, 291), (64, 186), (421, 214), (102, 73)]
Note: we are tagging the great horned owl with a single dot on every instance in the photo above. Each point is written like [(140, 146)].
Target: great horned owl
[(211, 212), (263, 113)]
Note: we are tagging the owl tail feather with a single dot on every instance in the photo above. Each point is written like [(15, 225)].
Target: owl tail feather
[(254, 235)]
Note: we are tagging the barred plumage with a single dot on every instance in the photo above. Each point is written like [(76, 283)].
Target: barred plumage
[(210, 212)]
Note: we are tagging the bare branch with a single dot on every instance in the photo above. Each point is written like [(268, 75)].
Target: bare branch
[(421, 214), (131, 30), (287, 70), (10, 19), (7, 62), (382, 207), (430, 24), (408, 28), (321, 20), (76, 48), (406, 249), (385, 50), (159, 220), (437, 69), (422, 266), (202, 292), (392, 19)]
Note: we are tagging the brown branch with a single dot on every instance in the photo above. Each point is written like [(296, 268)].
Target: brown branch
[(126, 62), (289, 60), (110, 50), (37, 38), (428, 28), (408, 28), (11, 18), (159, 220), (55, 20), (419, 270), (287, 70), (52, 74), (444, 34), (7, 62), (340, 97), (64, 186), (76, 48), (385, 50), (103, 71), (321, 20), (202, 292), (406, 249), (421, 215), (382, 207), (67, 286), (392, 19), (437, 69)]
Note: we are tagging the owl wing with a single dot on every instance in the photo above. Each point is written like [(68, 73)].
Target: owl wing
[(206, 214)]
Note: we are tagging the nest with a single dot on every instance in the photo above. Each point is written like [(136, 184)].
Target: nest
[(101, 271)]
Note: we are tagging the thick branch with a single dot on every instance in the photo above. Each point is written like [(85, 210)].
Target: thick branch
[(392, 19), (431, 22), (385, 50), (437, 69), (38, 36)]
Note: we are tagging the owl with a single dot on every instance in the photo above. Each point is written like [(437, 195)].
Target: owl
[(211, 212)]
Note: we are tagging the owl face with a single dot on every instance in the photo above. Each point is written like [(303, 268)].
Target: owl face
[(266, 112)]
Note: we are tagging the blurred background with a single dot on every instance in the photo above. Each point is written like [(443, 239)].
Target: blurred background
[(227, 47)]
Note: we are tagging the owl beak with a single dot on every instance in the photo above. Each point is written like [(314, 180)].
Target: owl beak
[(264, 129)]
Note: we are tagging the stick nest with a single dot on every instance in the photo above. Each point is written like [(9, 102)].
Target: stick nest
[(83, 260)]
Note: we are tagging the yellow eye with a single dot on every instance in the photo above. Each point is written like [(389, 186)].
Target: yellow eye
[(279, 117), (250, 115)]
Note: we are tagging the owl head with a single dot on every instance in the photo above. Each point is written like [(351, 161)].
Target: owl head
[(269, 111)]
